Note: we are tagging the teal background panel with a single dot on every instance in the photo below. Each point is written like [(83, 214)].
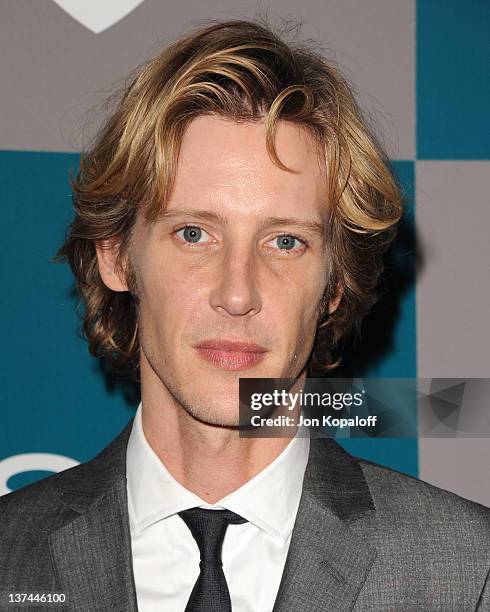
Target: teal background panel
[(54, 398), (453, 79)]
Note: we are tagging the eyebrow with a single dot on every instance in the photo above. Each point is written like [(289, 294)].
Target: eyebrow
[(313, 227)]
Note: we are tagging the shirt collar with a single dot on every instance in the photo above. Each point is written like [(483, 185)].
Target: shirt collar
[(269, 500)]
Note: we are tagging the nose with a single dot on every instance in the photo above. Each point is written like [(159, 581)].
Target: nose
[(236, 290)]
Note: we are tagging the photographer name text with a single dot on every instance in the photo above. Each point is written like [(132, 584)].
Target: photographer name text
[(325, 421)]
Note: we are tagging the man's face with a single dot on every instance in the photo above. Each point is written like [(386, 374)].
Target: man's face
[(240, 256)]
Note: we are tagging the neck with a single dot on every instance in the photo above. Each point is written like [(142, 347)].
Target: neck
[(211, 461)]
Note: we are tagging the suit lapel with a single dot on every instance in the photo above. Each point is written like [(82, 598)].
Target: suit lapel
[(328, 559), (91, 552)]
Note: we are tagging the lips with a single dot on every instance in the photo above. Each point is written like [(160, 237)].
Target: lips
[(231, 355)]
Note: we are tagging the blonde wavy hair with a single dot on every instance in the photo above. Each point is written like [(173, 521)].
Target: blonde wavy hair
[(244, 71)]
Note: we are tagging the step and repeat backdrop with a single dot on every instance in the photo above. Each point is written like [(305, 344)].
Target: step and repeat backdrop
[(420, 70)]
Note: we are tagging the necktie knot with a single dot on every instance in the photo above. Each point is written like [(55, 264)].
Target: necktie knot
[(208, 528)]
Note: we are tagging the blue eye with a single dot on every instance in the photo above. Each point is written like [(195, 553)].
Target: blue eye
[(191, 233), (287, 242)]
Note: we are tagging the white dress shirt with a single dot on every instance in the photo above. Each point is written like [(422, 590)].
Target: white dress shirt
[(165, 554)]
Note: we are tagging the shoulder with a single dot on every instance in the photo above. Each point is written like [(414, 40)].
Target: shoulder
[(73, 489), (36, 505), (406, 501), (33, 495), (432, 546)]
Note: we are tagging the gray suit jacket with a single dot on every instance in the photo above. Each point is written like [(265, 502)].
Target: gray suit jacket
[(366, 539)]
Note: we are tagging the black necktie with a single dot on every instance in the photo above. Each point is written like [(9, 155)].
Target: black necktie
[(210, 593)]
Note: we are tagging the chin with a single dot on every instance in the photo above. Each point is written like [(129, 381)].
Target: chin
[(217, 417)]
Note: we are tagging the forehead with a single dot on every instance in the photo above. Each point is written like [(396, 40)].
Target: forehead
[(223, 163)]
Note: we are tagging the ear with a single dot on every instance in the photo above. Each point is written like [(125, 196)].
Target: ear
[(106, 258), (335, 301)]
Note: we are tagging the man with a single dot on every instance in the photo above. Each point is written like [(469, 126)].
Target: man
[(230, 221)]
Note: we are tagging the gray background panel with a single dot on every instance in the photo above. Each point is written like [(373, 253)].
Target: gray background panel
[(55, 70), (453, 285)]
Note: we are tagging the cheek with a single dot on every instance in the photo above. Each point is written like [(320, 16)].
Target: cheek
[(169, 298), (296, 307)]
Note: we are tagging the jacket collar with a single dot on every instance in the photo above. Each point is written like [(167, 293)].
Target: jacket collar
[(83, 485)]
